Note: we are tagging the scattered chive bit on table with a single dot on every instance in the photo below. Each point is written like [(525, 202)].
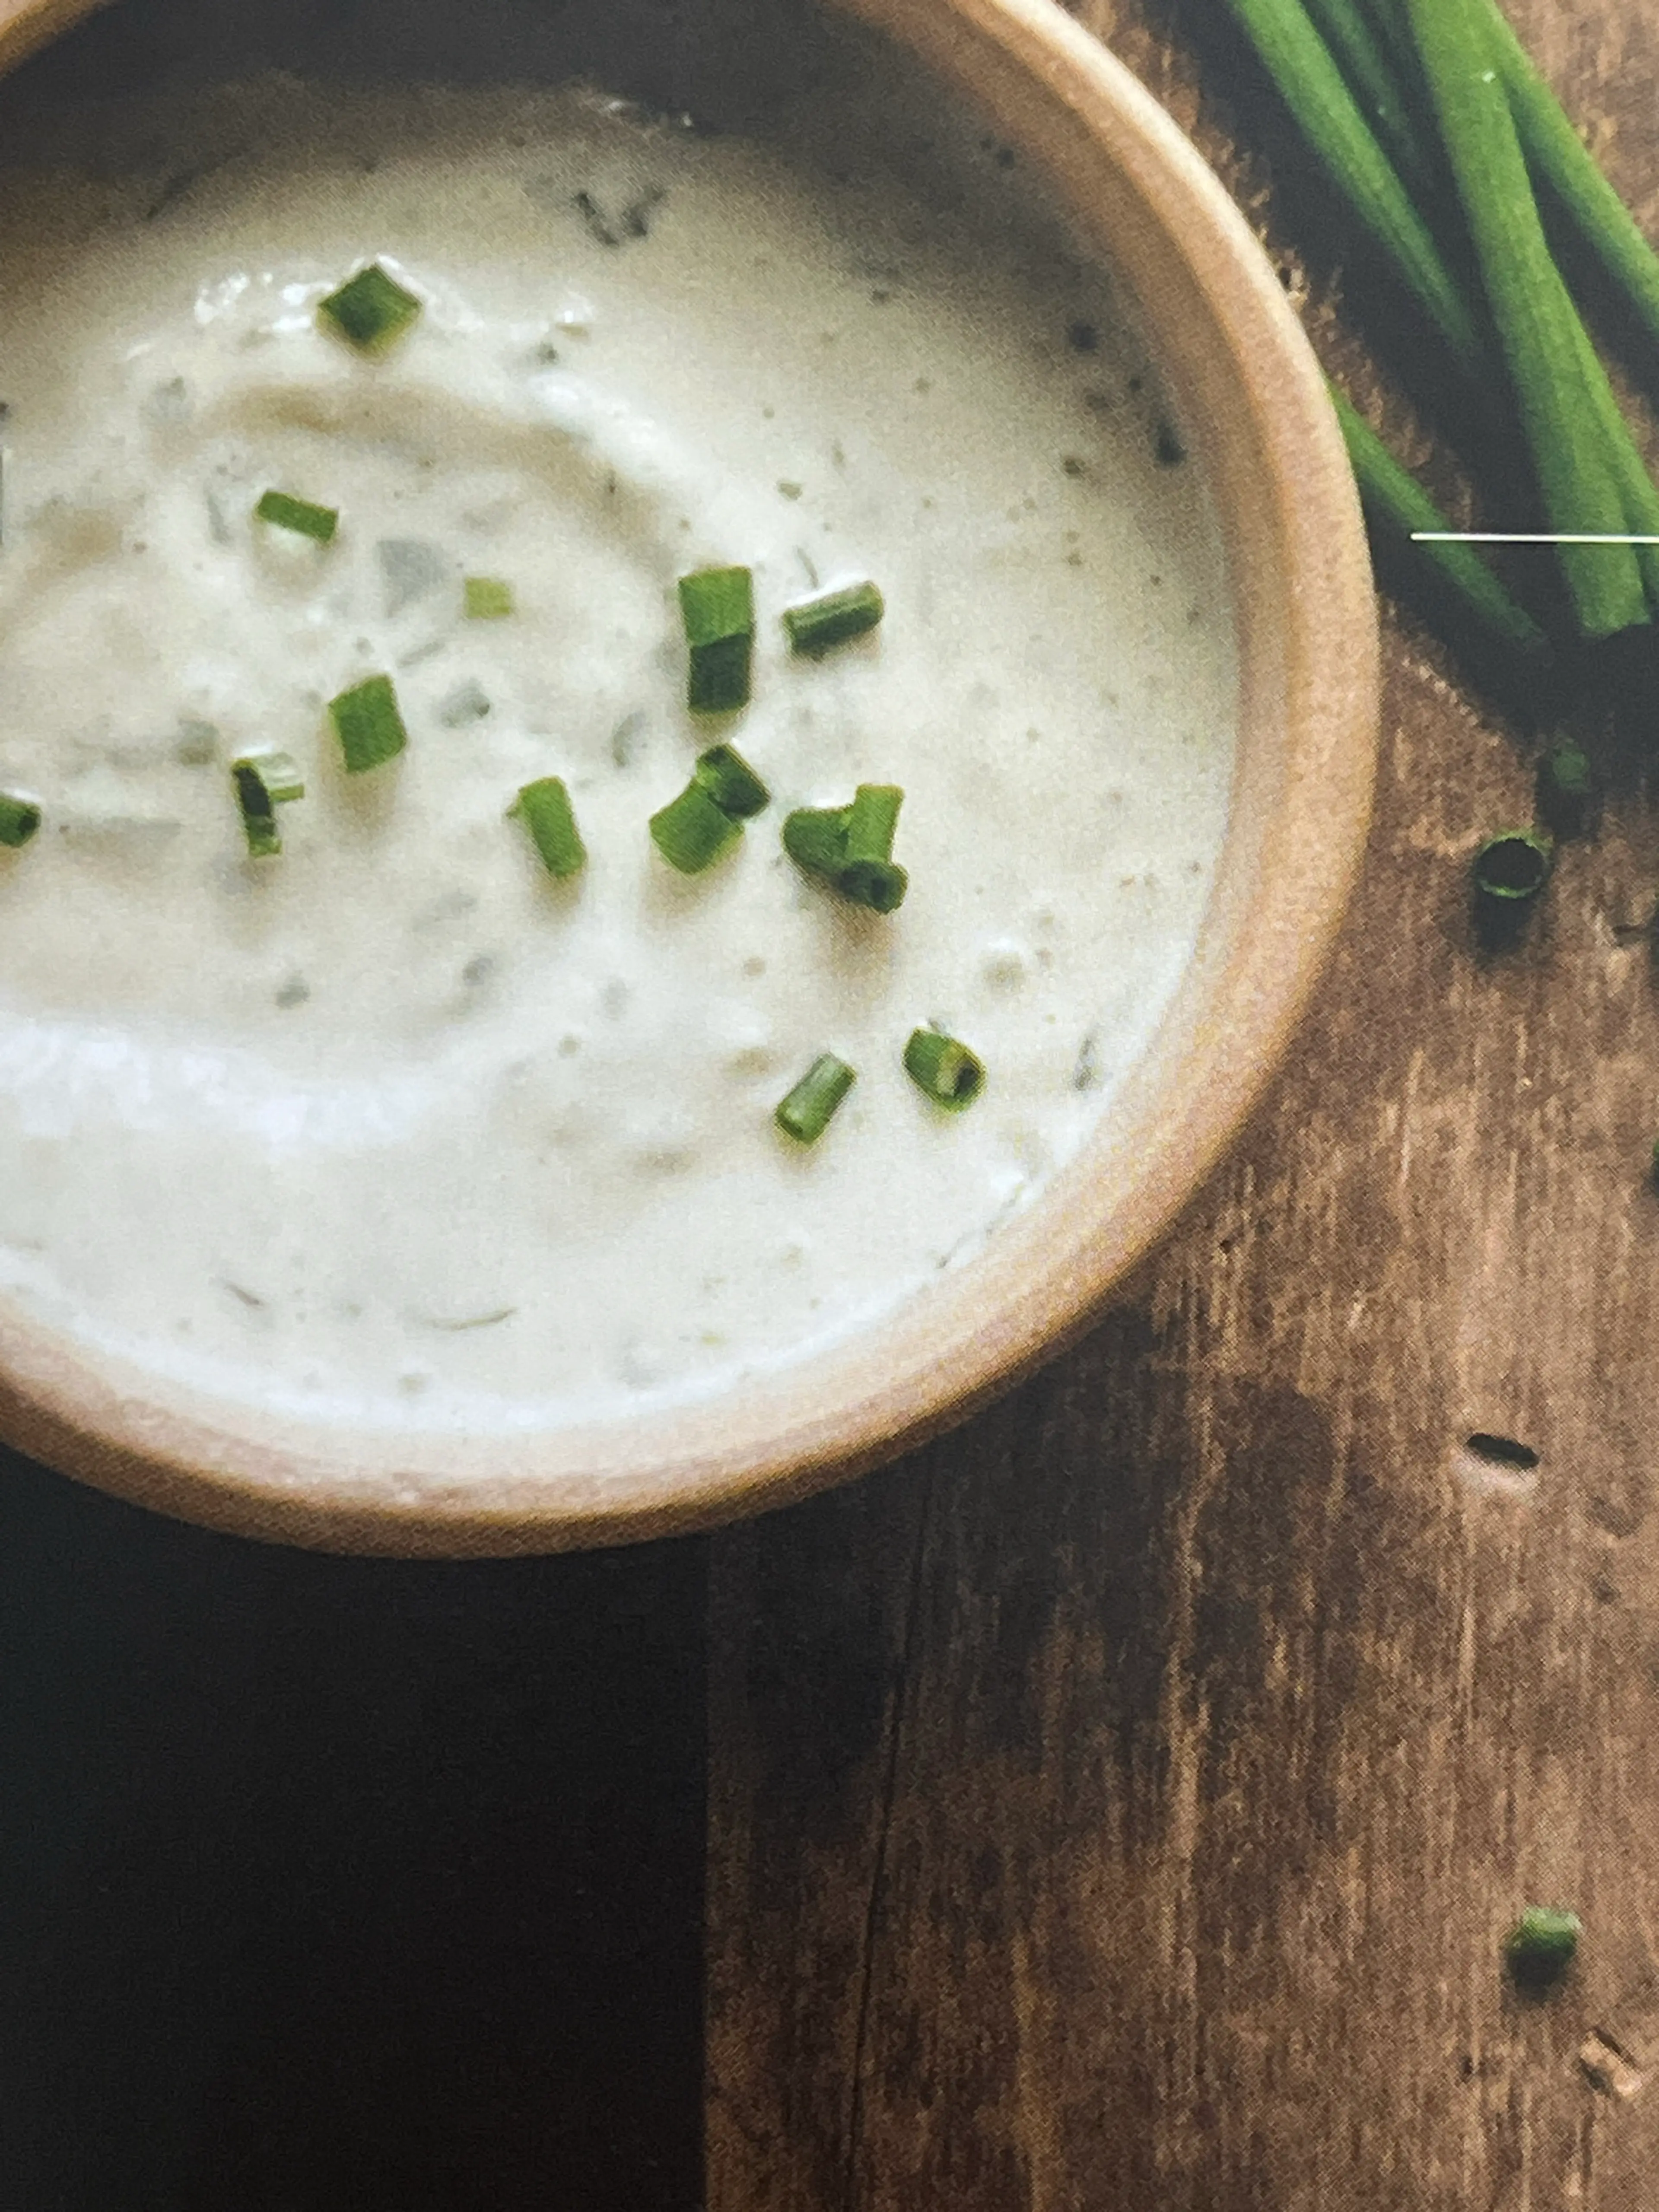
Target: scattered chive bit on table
[(731, 782), (805, 1113), (371, 309), (20, 817), (944, 1069), (1566, 788), (717, 607), (1514, 866), (487, 598), (263, 781), (692, 831), (1541, 1946), (367, 723), (301, 515), (544, 808), (830, 620), (852, 846)]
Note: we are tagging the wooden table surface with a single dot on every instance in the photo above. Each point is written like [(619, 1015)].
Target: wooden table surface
[(1119, 1806)]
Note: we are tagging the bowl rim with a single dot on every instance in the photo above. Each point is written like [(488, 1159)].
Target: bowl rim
[(1244, 375)]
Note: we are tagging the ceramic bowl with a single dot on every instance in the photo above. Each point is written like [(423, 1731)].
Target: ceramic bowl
[(1248, 391)]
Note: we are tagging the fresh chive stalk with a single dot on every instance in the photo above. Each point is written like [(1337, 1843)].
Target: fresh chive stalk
[(544, 808), (1535, 320), (717, 607), (1369, 68), (804, 1114), (1558, 155), (1397, 505), (301, 515), (487, 598), (944, 1068), (1514, 866), (371, 309), (367, 723), (20, 817), (692, 831), (731, 782), (1314, 89), (852, 846), (830, 620), (263, 781)]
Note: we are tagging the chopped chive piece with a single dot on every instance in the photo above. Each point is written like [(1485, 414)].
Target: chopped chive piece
[(717, 606), (20, 818), (804, 1114), (263, 781), (815, 838), (487, 599), (367, 723), (1540, 1947), (820, 624), (731, 782), (950, 1075), (370, 309), (1514, 866), (691, 831), (850, 845), (544, 808), (288, 513), (1566, 788)]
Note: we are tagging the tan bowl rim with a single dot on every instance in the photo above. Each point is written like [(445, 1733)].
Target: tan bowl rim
[(1244, 376)]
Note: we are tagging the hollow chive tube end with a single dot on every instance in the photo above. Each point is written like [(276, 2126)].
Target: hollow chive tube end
[(805, 1113), (1513, 867), (944, 1069), (731, 782)]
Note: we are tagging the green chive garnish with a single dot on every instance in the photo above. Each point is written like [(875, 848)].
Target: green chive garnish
[(1540, 1947), (487, 599), (544, 808), (717, 606), (1515, 866), (370, 309), (288, 513), (804, 1114), (820, 624), (851, 845), (263, 781), (1566, 788), (692, 831), (950, 1074), (731, 782), (367, 723), (20, 818)]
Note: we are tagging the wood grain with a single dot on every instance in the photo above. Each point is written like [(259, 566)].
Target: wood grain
[(1120, 1804)]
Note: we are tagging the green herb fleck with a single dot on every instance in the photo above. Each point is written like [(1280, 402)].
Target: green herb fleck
[(804, 1114), (487, 598), (731, 782), (692, 831), (367, 723), (20, 817), (287, 512), (834, 618), (371, 309), (262, 782), (851, 846), (1540, 1947), (544, 808), (944, 1069), (717, 606)]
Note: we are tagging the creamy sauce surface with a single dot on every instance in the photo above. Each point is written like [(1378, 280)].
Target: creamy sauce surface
[(393, 1128)]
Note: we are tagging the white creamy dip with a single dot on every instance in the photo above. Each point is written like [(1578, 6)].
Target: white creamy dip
[(393, 1127)]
